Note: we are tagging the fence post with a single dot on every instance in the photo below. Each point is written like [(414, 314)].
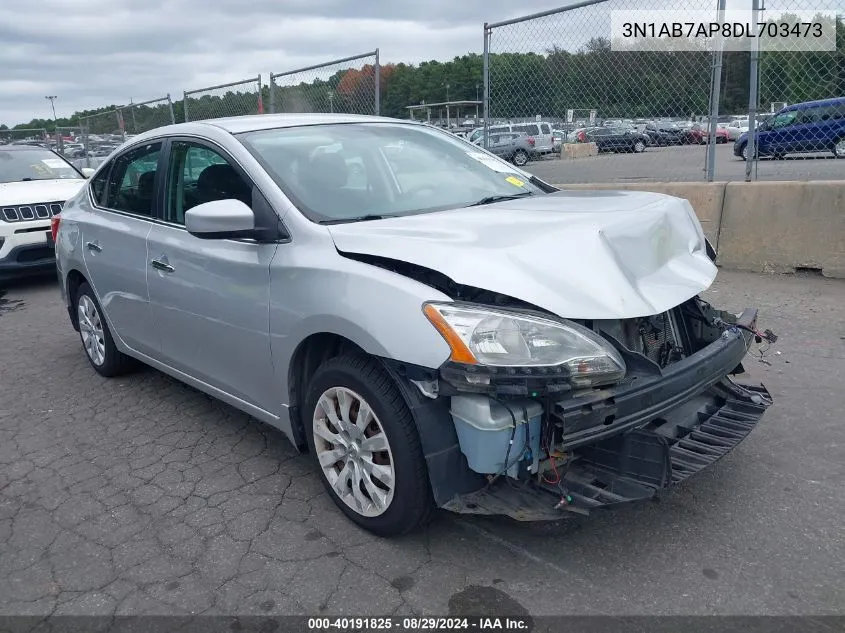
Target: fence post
[(377, 72), (170, 106), (185, 106), (753, 77), (715, 95), (272, 95), (486, 97)]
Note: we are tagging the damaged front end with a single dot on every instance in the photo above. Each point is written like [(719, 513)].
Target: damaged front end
[(642, 405)]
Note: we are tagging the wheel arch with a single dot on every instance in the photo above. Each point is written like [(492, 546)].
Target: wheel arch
[(74, 281)]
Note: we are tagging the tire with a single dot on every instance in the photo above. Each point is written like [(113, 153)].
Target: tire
[(639, 147), (382, 510), (520, 158), (839, 148), (96, 337)]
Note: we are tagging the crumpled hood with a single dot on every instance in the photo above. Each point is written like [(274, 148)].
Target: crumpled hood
[(577, 254), (33, 191)]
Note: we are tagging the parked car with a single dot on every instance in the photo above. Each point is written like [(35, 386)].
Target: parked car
[(663, 134), (516, 147), (699, 134), (617, 139), (541, 133), (34, 184), (737, 128), (815, 126), (558, 137), (448, 331)]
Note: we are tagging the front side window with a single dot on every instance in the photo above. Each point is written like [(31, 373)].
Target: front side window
[(132, 179), (784, 119), (34, 163), (341, 172), (198, 174)]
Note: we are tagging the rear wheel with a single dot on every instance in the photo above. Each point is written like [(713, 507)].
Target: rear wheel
[(839, 148), (520, 158), (639, 147), (96, 338), (366, 446)]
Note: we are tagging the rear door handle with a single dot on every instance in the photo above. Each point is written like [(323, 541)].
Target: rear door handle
[(162, 266), (93, 246)]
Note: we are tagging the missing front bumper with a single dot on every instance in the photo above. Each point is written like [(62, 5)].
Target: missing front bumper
[(632, 466)]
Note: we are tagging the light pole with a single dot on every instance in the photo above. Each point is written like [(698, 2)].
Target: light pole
[(52, 99), (331, 101)]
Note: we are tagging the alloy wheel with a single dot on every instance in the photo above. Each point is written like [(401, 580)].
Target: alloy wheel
[(91, 330), (353, 451)]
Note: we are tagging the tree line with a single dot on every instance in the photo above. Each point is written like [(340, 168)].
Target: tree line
[(616, 84)]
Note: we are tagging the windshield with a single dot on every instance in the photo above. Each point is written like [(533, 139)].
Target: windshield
[(34, 164), (344, 172)]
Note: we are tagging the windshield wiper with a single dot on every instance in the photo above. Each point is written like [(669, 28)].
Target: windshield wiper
[(500, 198), (360, 218)]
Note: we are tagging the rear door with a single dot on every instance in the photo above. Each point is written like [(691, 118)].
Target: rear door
[(114, 241), (209, 297)]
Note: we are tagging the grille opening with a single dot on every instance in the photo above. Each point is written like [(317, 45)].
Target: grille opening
[(36, 254)]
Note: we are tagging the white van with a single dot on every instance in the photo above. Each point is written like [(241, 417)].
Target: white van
[(541, 133)]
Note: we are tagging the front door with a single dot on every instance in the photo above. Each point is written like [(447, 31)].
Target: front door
[(209, 297)]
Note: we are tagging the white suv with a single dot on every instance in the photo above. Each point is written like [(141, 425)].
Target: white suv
[(34, 184)]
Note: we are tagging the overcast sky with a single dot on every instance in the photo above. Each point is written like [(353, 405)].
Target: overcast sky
[(92, 53), (96, 52)]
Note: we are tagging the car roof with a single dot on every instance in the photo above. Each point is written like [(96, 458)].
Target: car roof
[(256, 122), (812, 104)]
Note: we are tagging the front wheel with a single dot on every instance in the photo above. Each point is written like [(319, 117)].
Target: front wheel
[(639, 147), (366, 446), (839, 148), (520, 158)]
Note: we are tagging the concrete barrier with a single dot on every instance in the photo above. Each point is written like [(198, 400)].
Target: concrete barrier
[(764, 226), (580, 150), (781, 226)]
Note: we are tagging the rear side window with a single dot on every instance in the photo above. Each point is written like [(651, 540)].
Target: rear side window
[(531, 129), (130, 184), (545, 128)]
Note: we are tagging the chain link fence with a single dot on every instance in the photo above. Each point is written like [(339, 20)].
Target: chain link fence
[(101, 134), (232, 99), (147, 115), (351, 85), (806, 90), (35, 135), (640, 108)]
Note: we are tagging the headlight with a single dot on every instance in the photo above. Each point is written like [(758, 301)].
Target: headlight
[(502, 339)]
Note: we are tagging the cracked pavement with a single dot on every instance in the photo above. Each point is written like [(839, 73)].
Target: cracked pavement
[(140, 495)]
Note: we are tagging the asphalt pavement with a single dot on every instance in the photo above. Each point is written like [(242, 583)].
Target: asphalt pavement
[(140, 495), (682, 163)]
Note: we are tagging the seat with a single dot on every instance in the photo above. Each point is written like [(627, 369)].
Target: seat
[(324, 179), (145, 189), (222, 182)]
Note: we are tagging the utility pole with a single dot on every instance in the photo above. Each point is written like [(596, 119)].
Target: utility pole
[(52, 99), (59, 144)]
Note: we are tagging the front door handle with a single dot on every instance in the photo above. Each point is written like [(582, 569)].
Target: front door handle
[(162, 266), (93, 246)]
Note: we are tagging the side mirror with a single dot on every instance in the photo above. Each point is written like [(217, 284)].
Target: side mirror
[(220, 219), (87, 172)]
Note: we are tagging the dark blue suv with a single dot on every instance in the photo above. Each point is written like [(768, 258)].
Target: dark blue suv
[(814, 126)]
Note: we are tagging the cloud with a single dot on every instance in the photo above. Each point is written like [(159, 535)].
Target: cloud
[(93, 53)]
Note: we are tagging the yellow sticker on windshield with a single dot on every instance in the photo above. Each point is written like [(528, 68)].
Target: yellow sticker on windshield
[(515, 181)]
